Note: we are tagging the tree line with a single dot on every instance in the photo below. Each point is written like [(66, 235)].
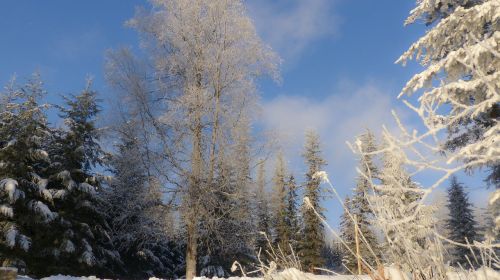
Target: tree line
[(70, 207)]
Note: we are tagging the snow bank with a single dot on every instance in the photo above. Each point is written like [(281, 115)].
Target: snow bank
[(484, 273), (295, 274), (391, 273), (61, 277), (65, 277)]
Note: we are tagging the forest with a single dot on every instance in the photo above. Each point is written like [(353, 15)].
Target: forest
[(182, 183)]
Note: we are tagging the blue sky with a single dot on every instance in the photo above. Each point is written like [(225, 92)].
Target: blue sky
[(338, 70)]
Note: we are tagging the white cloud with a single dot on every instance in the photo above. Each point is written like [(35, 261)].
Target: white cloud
[(78, 45), (290, 26), (339, 117)]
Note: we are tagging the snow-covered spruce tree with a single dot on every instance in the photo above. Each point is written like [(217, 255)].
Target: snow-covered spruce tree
[(292, 218), (468, 130), (459, 87), (26, 215), (313, 239), (81, 232), (207, 56), (281, 236), (136, 213), (347, 234), (461, 223), (262, 212), (396, 197), (332, 254), (360, 206)]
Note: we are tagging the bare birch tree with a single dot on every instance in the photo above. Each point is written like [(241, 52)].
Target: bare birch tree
[(203, 58)]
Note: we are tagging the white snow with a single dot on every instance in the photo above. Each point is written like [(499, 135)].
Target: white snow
[(60, 194), (295, 274), (24, 242), (65, 277), (68, 246), (495, 196), (322, 175), (483, 273), (10, 237), (10, 187), (42, 209), (6, 211), (86, 188)]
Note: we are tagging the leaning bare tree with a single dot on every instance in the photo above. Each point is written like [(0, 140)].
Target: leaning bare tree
[(203, 59)]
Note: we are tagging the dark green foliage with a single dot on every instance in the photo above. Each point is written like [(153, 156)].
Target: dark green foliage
[(79, 143), (81, 232), (263, 215), (281, 236), (469, 131), (363, 214), (347, 234), (312, 240), (332, 254), (24, 199), (461, 223), (359, 207), (291, 217), (444, 10)]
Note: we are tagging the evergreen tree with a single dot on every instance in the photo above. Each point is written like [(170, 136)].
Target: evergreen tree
[(332, 254), (461, 223), (292, 221), (25, 201), (313, 232), (395, 203), (262, 211), (360, 207), (488, 232), (281, 237), (460, 73), (81, 232), (347, 231)]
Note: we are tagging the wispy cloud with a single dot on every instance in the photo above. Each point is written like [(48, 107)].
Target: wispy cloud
[(73, 47), (290, 26), (338, 118)]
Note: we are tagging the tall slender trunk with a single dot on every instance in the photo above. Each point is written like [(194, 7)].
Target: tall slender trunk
[(192, 247), (194, 190), (193, 202)]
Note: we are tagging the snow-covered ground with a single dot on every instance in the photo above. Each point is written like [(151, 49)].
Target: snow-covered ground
[(60, 277), (293, 274)]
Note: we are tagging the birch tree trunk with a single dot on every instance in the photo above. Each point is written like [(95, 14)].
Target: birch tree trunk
[(206, 56)]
